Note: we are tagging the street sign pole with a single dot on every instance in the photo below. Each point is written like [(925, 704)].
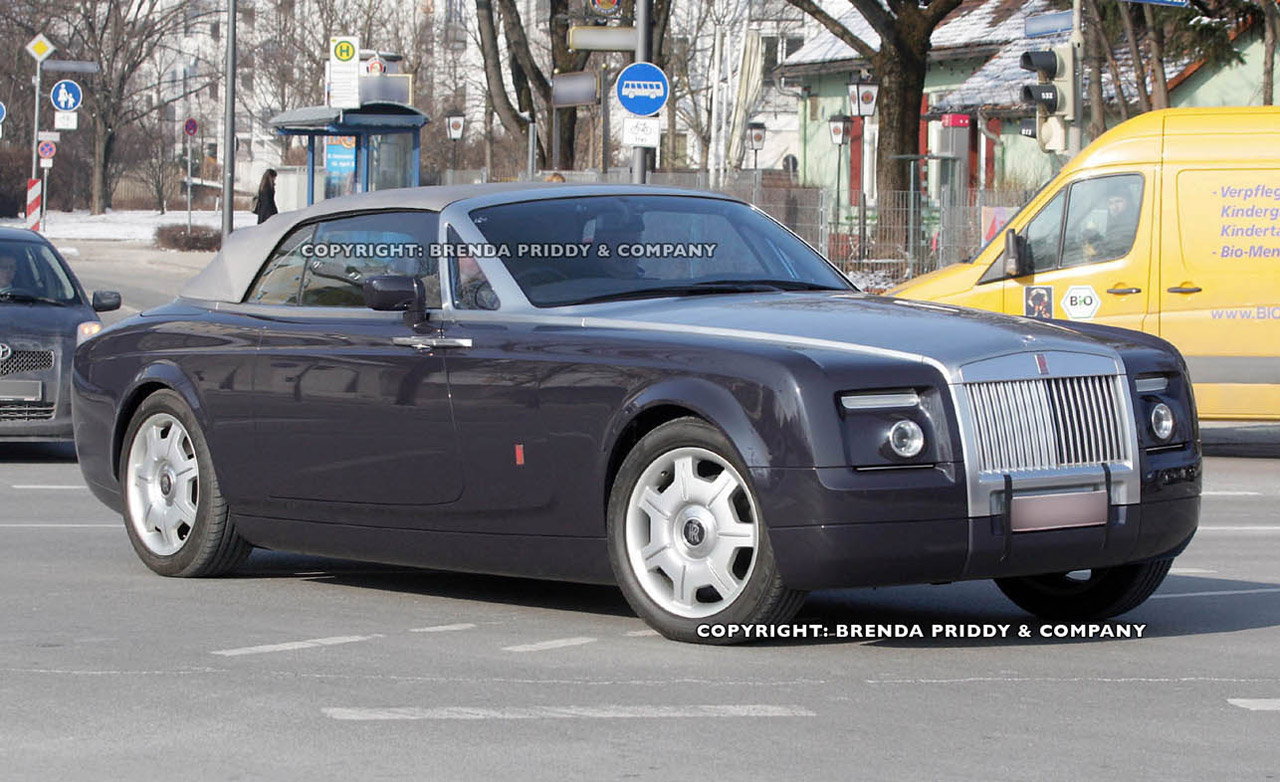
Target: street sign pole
[(229, 126), (35, 127), (639, 155), (188, 135), (1075, 131), (44, 198)]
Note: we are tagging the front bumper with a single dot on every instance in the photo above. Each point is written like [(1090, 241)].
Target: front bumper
[(834, 528)]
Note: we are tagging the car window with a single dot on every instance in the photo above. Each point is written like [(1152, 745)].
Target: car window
[(1043, 234), (31, 270), (346, 250), (566, 251), (280, 280), (471, 288), (1102, 219)]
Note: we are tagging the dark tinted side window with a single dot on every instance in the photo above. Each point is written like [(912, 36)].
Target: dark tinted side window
[(346, 250), (280, 280)]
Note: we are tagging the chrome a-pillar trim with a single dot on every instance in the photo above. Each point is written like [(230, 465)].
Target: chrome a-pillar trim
[(986, 489)]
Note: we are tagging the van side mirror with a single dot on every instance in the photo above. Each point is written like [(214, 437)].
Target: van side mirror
[(397, 293), (1017, 263)]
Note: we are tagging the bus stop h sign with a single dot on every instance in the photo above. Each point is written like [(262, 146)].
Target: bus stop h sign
[(642, 89)]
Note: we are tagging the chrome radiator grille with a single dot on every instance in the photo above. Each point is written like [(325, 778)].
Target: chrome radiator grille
[(26, 361), (1049, 423)]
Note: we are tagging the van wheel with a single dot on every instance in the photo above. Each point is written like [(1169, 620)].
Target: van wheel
[(1104, 593), (175, 515), (686, 540)]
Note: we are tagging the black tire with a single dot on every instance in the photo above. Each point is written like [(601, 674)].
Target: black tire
[(762, 599), (210, 546), (1106, 593)]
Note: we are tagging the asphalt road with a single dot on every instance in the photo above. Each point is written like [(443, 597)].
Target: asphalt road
[(302, 668)]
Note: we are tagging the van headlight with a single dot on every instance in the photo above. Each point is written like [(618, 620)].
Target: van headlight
[(1162, 421), (906, 439)]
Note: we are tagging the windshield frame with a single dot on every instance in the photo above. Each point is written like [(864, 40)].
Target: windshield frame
[(828, 278)]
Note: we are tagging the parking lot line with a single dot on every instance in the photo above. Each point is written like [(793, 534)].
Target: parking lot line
[(568, 712), (1190, 571), (46, 486), (59, 526), (1239, 528), (443, 628), (542, 646), (1231, 493), (292, 645), (1256, 704), (1218, 593)]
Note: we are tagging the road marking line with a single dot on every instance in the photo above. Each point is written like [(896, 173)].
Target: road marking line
[(1076, 680), (443, 628), (1256, 704), (1218, 593), (292, 645), (542, 646), (1240, 528), (641, 633), (45, 486), (1189, 571), (1231, 493), (60, 526), (567, 712)]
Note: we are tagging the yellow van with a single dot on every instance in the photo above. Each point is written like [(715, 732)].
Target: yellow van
[(1169, 224)]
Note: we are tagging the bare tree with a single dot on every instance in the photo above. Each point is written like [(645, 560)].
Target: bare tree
[(905, 28), (1271, 30)]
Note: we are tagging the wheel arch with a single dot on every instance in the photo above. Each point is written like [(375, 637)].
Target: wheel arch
[(158, 376)]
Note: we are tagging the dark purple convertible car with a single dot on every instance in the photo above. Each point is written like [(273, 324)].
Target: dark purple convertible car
[(661, 389)]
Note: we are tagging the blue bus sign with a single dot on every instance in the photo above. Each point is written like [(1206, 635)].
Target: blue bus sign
[(642, 89)]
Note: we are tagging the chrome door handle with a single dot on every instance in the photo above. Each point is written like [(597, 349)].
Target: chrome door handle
[(431, 343), (1124, 291), (1191, 289)]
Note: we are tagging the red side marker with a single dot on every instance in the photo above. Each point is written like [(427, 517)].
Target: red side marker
[(519, 454)]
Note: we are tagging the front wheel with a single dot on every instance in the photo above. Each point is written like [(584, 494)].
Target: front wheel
[(1086, 595), (175, 514), (686, 539)]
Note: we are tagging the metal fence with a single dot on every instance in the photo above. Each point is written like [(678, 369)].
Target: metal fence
[(877, 243)]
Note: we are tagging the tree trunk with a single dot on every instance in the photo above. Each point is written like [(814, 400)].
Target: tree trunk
[(1271, 26), (902, 74), (1095, 42), (1155, 39), (99, 197), (497, 88), (1139, 72)]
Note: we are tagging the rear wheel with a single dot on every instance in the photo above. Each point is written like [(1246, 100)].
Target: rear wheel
[(174, 512), (1086, 595), (686, 540)]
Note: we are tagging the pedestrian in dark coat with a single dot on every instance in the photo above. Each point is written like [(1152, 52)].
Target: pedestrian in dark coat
[(264, 205)]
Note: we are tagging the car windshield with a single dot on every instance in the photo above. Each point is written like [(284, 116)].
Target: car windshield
[(30, 272), (568, 251)]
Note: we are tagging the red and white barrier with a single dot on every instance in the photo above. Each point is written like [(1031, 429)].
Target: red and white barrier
[(35, 193)]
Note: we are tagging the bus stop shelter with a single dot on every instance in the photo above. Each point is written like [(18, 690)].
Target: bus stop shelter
[(367, 125)]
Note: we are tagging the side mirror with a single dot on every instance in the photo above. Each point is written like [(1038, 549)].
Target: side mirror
[(106, 301), (395, 293), (1016, 262)]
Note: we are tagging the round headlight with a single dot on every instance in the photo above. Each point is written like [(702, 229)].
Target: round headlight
[(906, 439), (1162, 421)]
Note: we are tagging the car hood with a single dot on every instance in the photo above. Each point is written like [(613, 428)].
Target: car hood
[(40, 320), (947, 336)]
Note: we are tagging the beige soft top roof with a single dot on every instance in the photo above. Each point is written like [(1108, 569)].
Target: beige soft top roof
[(233, 269)]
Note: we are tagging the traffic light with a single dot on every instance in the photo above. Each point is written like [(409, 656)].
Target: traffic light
[(1054, 94)]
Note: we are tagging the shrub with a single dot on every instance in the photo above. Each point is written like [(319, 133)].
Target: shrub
[(201, 238)]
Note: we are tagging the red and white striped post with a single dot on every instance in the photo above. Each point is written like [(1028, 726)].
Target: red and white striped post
[(35, 194)]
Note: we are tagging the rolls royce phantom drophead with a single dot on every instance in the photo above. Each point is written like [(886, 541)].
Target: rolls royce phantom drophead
[(657, 388)]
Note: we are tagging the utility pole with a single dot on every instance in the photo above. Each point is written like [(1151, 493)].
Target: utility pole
[(1075, 131), (35, 127), (639, 159), (229, 126)]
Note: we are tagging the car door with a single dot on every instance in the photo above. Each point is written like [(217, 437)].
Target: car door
[(1220, 287), (354, 423), (1091, 252)]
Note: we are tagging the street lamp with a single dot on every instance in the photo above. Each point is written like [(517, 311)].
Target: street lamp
[(838, 124), (755, 141), (454, 124), (863, 92)]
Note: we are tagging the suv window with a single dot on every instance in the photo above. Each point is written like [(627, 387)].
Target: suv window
[(346, 250)]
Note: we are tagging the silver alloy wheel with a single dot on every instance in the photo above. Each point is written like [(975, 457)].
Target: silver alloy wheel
[(162, 479), (691, 532)]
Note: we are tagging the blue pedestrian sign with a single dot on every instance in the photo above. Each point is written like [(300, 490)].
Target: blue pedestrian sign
[(66, 95), (3, 111), (642, 89)]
